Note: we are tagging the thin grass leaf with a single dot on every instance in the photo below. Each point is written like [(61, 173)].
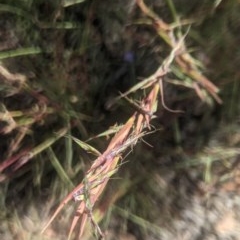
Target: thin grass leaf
[(163, 101), (173, 11), (207, 173), (68, 198), (20, 52), (122, 134), (14, 10), (138, 220), (110, 131), (76, 218), (69, 150), (81, 116), (135, 106), (12, 77), (47, 143), (61, 25), (58, 167), (82, 225), (86, 146), (8, 162), (217, 154), (68, 3)]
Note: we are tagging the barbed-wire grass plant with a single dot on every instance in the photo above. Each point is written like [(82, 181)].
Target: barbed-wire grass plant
[(86, 194), (96, 178)]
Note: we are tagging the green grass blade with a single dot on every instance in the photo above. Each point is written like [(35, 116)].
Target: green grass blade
[(14, 10), (138, 220), (20, 52), (110, 131), (47, 143), (68, 3), (69, 151), (58, 167), (86, 146)]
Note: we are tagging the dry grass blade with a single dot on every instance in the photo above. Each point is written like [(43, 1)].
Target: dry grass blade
[(122, 134), (8, 162), (19, 78), (163, 101), (153, 16), (22, 158)]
